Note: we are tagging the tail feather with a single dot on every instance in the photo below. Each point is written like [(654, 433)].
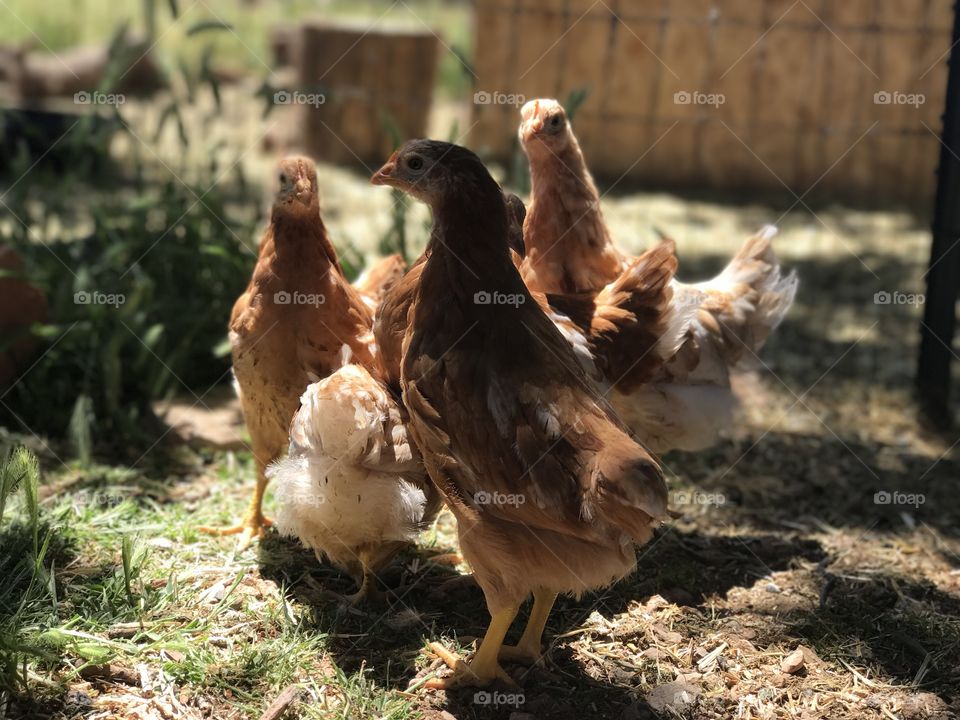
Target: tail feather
[(633, 324), (741, 306)]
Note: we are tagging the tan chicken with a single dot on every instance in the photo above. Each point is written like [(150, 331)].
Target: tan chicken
[(569, 249), (550, 492), (298, 321)]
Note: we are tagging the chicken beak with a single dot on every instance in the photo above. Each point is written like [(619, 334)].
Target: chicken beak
[(531, 127), (386, 175), (303, 189)]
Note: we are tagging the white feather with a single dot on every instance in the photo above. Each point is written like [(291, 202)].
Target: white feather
[(332, 492)]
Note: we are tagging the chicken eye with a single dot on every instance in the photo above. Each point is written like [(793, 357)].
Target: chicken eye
[(415, 163), (556, 121), (283, 178)]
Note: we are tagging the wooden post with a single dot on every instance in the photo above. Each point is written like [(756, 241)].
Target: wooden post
[(360, 76), (943, 276)]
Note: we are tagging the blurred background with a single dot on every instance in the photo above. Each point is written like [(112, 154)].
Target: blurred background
[(137, 145)]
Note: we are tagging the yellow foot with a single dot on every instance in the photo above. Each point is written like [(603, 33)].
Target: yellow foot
[(519, 654), (368, 594), (452, 559), (249, 529), (473, 674)]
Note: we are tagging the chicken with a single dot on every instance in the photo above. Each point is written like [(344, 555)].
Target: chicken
[(569, 249), (353, 487), (296, 322), (550, 491), (377, 280)]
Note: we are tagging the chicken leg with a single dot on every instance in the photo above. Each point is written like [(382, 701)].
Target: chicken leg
[(528, 649), (254, 522), (484, 668), (367, 580)]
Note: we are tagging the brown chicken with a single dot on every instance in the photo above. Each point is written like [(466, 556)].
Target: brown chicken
[(298, 321), (550, 492), (569, 249)]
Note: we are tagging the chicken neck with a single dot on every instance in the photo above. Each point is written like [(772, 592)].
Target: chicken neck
[(568, 246)]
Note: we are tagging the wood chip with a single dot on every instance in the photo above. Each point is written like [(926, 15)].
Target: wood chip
[(279, 706), (111, 673)]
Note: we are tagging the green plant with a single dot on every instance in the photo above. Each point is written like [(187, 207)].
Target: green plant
[(28, 590), (139, 304)]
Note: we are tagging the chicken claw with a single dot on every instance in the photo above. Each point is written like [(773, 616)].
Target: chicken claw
[(466, 674), (252, 527), (368, 593), (484, 668)]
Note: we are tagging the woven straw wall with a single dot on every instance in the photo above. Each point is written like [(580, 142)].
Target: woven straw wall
[(787, 90)]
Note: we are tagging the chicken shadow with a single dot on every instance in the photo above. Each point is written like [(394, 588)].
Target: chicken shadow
[(795, 480), (837, 300), (433, 602)]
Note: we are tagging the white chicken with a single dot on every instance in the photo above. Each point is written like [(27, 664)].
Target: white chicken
[(352, 488)]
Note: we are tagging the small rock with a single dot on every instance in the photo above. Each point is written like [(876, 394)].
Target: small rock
[(675, 695), (925, 705), (78, 698), (793, 663), (173, 655)]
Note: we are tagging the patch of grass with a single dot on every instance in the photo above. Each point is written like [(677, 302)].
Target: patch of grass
[(123, 295), (129, 584), (28, 593)]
